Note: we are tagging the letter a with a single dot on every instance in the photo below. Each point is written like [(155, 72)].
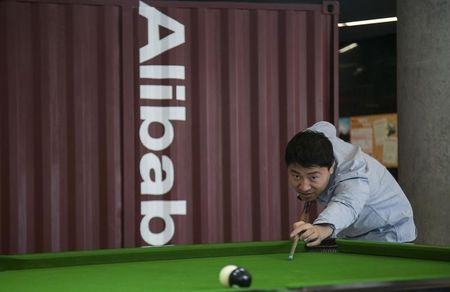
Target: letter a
[(156, 46)]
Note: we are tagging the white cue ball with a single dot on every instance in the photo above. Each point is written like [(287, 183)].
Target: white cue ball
[(225, 275)]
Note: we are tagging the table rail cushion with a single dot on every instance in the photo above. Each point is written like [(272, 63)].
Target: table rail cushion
[(405, 250), (107, 256)]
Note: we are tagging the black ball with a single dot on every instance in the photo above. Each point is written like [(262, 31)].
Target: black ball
[(240, 277), (234, 276)]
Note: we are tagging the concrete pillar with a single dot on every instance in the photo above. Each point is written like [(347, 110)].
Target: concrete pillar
[(423, 94)]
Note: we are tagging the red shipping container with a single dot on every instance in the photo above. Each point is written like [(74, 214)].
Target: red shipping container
[(128, 123)]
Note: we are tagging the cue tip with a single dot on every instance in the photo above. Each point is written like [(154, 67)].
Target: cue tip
[(294, 247)]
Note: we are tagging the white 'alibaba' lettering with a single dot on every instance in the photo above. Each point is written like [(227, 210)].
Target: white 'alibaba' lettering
[(158, 184)]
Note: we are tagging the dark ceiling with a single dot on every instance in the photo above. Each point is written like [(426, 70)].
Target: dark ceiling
[(367, 74), (353, 10)]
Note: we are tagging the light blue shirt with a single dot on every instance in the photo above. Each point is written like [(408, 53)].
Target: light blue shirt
[(363, 200)]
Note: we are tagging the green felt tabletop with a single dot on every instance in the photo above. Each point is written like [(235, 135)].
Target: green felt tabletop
[(196, 268)]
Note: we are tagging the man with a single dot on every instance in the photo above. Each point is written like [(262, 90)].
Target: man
[(363, 200)]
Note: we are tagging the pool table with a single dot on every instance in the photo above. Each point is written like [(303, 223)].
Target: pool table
[(350, 265)]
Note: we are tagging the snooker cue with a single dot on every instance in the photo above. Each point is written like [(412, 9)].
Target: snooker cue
[(305, 218)]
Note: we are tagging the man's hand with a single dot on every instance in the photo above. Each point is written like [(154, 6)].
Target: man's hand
[(310, 233)]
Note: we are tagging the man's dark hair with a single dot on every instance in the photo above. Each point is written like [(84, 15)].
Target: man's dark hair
[(309, 148)]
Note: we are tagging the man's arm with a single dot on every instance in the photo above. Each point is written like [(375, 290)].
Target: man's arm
[(349, 198)]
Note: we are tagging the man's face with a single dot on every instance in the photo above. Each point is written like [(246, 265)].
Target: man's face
[(309, 182)]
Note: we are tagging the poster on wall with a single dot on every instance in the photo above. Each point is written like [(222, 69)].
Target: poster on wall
[(376, 135)]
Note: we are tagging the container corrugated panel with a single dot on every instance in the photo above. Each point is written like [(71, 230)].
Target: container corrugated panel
[(107, 142), (228, 84), (62, 89)]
